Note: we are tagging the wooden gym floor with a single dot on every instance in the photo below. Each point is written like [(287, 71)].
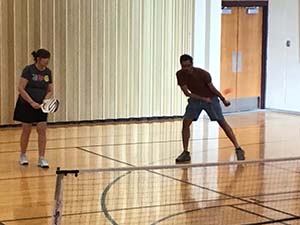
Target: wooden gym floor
[(26, 193)]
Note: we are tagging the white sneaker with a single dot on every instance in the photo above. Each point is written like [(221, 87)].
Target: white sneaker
[(23, 159), (43, 162)]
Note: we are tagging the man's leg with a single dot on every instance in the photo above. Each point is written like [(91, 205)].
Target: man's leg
[(185, 155), (215, 113), (228, 131), (191, 114), (186, 133)]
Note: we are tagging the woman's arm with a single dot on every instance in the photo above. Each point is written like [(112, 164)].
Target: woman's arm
[(21, 88)]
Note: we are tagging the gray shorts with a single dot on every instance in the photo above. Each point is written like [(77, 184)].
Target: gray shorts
[(195, 107)]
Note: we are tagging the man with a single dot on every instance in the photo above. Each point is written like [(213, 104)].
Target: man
[(197, 85)]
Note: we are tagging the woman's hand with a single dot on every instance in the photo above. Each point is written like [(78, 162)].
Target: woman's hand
[(35, 105)]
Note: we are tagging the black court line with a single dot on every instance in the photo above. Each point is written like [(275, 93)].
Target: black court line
[(195, 185), (256, 214), (278, 168), (276, 200), (96, 137), (224, 194), (227, 195), (273, 193), (104, 156), (27, 218), (103, 198), (165, 205), (174, 215), (276, 221), (155, 206), (29, 177), (179, 203), (199, 209), (118, 144), (134, 143), (107, 188), (171, 204), (282, 167), (106, 211)]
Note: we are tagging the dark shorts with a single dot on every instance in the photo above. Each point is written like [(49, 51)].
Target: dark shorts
[(195, 107), (26, 114)]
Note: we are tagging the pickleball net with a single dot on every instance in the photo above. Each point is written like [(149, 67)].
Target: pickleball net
[(249, 192)]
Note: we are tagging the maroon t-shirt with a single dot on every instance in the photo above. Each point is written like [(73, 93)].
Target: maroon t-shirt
[(197, 81)]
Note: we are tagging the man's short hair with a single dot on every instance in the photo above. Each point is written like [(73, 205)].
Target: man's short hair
[(186, 57)]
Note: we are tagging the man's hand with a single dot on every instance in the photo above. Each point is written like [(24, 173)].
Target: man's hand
[(226, 102)]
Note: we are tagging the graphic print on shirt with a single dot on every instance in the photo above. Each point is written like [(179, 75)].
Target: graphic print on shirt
[(39, 77)]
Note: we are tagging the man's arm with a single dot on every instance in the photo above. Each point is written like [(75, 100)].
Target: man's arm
[(217, 93), (187, 93)]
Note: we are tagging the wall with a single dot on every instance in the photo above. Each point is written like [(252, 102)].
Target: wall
[(207, 37), (207, 53), (283, 63), (110, 58)]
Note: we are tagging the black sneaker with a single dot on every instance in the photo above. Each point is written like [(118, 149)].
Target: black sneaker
[(240, 154), (184, 157)]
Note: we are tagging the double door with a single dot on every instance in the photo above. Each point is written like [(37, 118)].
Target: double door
[(241, 57)]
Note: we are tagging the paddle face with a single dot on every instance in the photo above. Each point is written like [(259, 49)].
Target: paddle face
[(50, 105)]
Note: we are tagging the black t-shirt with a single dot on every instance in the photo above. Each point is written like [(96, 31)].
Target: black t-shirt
[(38, 82), (197, 81)]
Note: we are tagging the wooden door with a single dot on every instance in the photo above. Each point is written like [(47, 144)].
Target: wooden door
[(241, 55), (228, 50), (250, 48)]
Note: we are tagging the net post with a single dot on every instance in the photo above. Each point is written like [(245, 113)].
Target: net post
[(58, 198)]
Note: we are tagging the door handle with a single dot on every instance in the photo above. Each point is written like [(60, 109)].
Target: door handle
[(233, 61), (239, 62)]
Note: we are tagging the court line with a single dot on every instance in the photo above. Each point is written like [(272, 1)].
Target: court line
[(111, 145), (174, 204), (278, 167), (51, 128), (29, 177), (195, 185), (142, 143), (27, 218), (106, 212), (274, 194), (283, 168), (104, 156), (103, 198), (276, 221), (198, 209), (155, 206), (247, 211), (228, 195)]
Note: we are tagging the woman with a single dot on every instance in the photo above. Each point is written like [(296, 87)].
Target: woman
[(35, 85)]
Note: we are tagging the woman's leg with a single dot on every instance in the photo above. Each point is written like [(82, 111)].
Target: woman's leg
[(26, 130)]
